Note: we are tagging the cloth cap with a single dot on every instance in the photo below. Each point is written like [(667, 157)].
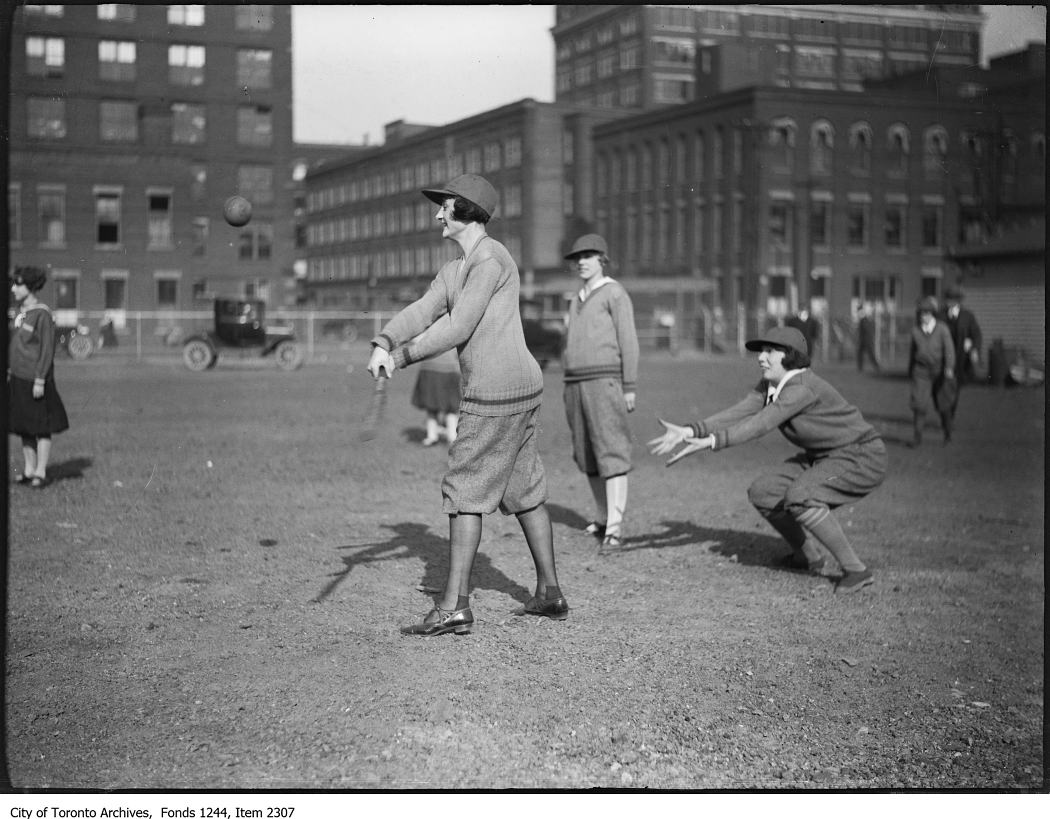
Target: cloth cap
[(591, 242), (470, 186), (787, 337), (954, 293), (31, 277), (928, 305)]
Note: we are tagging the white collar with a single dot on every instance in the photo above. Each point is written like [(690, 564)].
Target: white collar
[(773, 393), (954, 311), (600, 282), (928, 327)]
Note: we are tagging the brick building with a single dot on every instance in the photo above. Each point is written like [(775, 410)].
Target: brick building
[(130, 125)]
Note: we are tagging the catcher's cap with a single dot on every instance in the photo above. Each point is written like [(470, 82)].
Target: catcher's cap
[(470, 186), (32, 277), (591, 242), (787, 338)]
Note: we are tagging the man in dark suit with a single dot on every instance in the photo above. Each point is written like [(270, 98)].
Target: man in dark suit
[(966, 334), (808, 326)]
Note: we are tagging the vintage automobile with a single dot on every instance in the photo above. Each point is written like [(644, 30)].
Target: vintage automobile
[(240, 327)]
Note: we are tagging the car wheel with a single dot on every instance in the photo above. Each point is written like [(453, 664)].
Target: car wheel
[(289, 355), (198, 355), (80, 346)]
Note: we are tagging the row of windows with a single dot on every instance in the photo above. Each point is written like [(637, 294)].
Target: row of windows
[(109, 206), (119, 121), (424, 260), (396, 221), (247, 16), (118, 61), (686, 159), (114, 289), (658, 234), (493, 156)]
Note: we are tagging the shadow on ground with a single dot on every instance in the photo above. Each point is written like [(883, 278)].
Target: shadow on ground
[(415, 540)]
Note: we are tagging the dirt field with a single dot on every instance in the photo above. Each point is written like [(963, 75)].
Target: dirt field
[(208, 596)]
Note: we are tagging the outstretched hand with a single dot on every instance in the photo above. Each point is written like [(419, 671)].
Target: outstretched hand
[(675, 435)]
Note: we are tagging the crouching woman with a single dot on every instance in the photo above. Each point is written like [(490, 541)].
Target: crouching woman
[(842, 460)]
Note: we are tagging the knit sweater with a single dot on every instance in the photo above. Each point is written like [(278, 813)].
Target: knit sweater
[(472, 305), (31, 354), (809, 412), (933, 353), (601, 341)]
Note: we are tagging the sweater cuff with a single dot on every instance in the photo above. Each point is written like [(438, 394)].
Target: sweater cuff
[(721, 439), (699, 430), (628, 387), (401, 357), (383, 341)]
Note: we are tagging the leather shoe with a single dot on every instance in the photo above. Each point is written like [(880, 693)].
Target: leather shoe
[(556, 609), (442, 621)]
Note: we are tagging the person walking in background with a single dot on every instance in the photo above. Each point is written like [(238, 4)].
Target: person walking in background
[(472, 305), (843, 458), (931, 368), (600, 364), (966, 336), (437, 393), (866, 339), (35, 411)]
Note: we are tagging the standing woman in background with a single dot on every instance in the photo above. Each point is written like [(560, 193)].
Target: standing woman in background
[(35, 409), (437, 394), (601, 373)]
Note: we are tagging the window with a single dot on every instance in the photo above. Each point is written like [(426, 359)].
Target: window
[(821, 145), (815, 63), (14, 213), (780, 233), (782, 144), (255, 183), (114, 290), (934, 150), (45, 56), (186, 65), (568, 194), (473, 160), (511, 204), (698, 158), (254, 68), (160, 219), (116, 60), (606, 64), (254, 126), (185, 15), (253, 17), (860, 148), (167, 291), (198, 182), (971, 224), (719, 158), (255, 242), (630, 56), (932, 217), (896, 225), (717, 221), (568, 147), (200, 228), (51, 206), (67, 292), (46, 117), (511, 152), (107, 217), (188, 124), (118, 121), (698, 229), (116, 12), (857, 221), (819, 222), (897, 148), (647, 167), (491, 157)]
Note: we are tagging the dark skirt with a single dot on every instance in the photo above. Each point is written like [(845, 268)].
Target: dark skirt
[(436, 391), (35, 417)]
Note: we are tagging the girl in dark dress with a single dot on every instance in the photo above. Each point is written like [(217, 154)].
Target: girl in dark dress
[(35, 409)]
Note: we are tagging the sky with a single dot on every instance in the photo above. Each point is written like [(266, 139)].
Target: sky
[(357, 68)]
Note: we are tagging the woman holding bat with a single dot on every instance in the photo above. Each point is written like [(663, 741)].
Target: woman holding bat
[(472, 306), (842, 460)]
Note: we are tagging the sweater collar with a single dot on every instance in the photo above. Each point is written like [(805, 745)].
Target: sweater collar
[(773, 392), (584, 295)]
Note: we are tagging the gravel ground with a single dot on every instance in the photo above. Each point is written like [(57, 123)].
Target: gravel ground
[(208, 596)]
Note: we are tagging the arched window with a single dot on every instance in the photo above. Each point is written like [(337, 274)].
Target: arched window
[(860, 142), (934, 150), (898, 147), (821, 145), (782, 143), (1039, 149), (972, 147)]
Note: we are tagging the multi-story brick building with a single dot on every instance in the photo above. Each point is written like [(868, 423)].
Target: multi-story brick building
[(130, 125), (778, 197), (647, 56), (372, 238)]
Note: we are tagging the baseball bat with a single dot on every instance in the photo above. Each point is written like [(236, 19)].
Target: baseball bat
[(376, 408)]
